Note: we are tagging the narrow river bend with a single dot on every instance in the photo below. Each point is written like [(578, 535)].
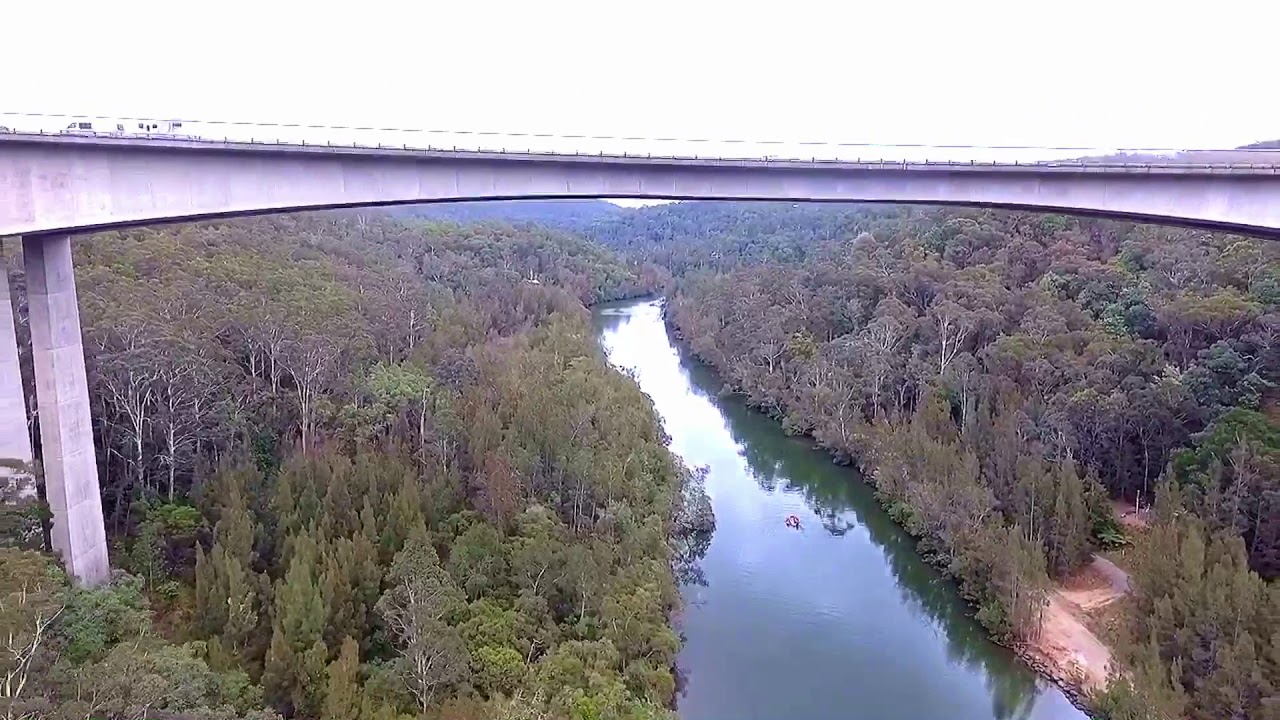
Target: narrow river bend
[(840, 619)]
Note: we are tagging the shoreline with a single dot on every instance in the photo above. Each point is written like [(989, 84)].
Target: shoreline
[(1075, 692)]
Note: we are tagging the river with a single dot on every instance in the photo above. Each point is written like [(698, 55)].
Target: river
[(840, 619)]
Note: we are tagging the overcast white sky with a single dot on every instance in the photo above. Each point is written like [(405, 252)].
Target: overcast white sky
[(1120, 73)]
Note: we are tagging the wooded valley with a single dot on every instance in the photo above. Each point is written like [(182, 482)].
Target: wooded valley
[(1001, 378), (357, 466)]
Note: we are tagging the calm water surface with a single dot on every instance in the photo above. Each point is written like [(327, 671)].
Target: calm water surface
[(838, 620)]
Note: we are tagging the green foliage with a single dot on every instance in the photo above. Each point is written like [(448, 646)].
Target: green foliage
[(33, 594), (1069, 527), (498, 670), (478, 561), (93, 653), (96, 619), (344, 401), (342, 699), (1202, 620), (295, 665), (396, 386), (491, 625), (157, 678), (300, 319), (229, 596), (1122, 701), (419, 601), (1110, 536), (162, 540), (168, 591), (146, 555), (1000, 377), (1233, 478), (175, 519), (1238, 425)]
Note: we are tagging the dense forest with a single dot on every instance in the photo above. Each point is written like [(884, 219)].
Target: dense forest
[(1002, 377), (356, 468), (569, 215)]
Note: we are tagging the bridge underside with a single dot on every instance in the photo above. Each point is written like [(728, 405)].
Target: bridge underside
[(75, 185), (53, 187), (1268, 233)]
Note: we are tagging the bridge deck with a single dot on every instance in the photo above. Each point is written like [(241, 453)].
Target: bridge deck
[(1215, 162)]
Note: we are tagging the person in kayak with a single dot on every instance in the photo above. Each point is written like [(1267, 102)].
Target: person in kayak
[(793, 521)]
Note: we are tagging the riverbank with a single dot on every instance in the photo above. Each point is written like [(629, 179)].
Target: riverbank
[(1067, 652), (786, 622)]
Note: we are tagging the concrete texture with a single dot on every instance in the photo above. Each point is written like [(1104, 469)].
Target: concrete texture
[(62, 399), (54, 183), (15, 441)]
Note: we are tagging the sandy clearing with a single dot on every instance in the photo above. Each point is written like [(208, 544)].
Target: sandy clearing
[(1066, 648)]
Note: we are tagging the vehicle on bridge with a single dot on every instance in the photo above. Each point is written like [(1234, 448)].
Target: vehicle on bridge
[(84, 127), (168, 128), (149, 128)]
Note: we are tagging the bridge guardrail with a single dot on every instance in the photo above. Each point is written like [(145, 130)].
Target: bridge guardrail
[(906, 156)]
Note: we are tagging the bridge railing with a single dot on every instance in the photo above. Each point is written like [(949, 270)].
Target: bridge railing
[(630, 146)]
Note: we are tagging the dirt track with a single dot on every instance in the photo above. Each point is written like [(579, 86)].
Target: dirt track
[(1067, 647)]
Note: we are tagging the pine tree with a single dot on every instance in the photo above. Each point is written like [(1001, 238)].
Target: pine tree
[(338, 582), (230, 486), (1151, 690), (404, 521), (209, 601), (243, 604), (1023, 583), (369, 522), (1156, 566), (1191, 570), (236, 529), (366, 576), (1237, 687), (226, 590), (1164, 626), (342, 691), (1067, 541), (289, 676), (283, 505), (306, 512), (337, 515), (308, 698)]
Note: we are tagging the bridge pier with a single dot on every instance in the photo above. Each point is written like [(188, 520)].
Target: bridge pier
[(15, 437), (62, 399)]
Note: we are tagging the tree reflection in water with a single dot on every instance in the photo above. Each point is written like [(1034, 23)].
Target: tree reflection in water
[(837, 494)]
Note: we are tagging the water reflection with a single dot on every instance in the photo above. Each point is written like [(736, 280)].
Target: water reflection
[(839, 619), (837, 495), (690, 550)]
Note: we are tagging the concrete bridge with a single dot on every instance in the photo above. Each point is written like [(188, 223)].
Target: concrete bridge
[(52, 183), (56, 186)]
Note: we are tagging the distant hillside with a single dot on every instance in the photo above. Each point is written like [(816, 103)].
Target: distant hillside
[(691, 235), (564, 214), (1233, 155)]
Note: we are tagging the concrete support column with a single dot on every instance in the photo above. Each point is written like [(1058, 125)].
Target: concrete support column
[(62, 400), (15, 440)]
